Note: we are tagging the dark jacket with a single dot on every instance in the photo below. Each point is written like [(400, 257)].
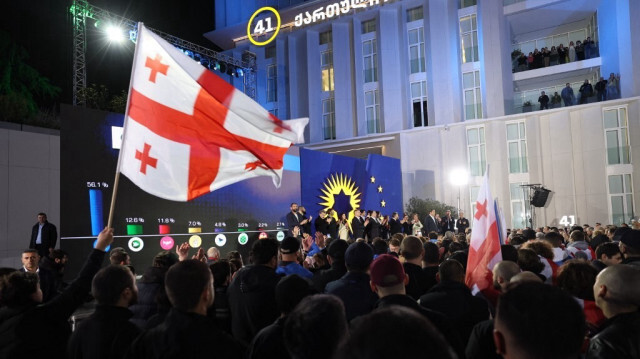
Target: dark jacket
[(355, 292), (321, 225), (42, 330), (357, 225), (619, 337), (292, 221), (151, 297), (322, 277), (219, 311), (447, 224), (438, 320), (269, 343), (430, 225), (185, 335), (56, 269), (462, 224), (632, 261), (419, 282), (454, 299), (481, 344), (395, 226), (372, 229), (106, 334), (49, 238), (252, 301), (47, 284)]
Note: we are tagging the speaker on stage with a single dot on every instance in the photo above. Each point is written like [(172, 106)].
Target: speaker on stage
[(540, 197)]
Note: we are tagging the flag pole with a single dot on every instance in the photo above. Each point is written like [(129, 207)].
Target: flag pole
[(124, 131)]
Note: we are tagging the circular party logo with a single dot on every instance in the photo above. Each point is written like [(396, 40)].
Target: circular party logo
[(243, 238), (136, 244), (280, 236), (221, 240), (195, 241), (167, 243)]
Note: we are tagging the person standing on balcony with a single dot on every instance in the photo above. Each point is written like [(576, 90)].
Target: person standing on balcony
[(544, 101), (588, 48), (601, 89), (579, 51), (562, 54), (553, 56), (586, 91), (546, 56), (612, 86), (567, 95), (572, 52)]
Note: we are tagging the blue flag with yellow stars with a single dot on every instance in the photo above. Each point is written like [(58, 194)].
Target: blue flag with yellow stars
[(346, 183)]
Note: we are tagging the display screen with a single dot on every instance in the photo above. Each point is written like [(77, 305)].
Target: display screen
[(230, 218)]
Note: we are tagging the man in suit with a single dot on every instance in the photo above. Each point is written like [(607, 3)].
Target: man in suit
[(462, 223), (295, 219), (43, 236), (358, 224), (373, 227), (447, 223), (395, 226), (30, 260), (430, 223)]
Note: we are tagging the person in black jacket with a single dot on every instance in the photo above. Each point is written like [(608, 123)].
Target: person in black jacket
[(322, 222), (586, 91), (619, 299), (29, 329), (454, 299), (187, 332), (44, 236), (252, 292), (358, 224), (107, 333), (413, 252), (335, 256), (395, 225), (430, 223), (47, 281), (372, 229), (544, 101), (447, 224)]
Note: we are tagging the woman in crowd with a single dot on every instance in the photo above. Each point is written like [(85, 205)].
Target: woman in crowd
[(417, 225), (343, 227), (572, 52), (562, 54), (553, 56)]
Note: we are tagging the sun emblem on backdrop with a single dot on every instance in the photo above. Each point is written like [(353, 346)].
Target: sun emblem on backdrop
[(341, 194)]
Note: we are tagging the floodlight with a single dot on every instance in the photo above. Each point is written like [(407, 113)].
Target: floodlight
[(114, 33)]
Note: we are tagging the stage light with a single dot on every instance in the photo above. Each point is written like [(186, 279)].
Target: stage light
[(133, 35), (114, 33), (230, 70), (239, 72), (216, 66)]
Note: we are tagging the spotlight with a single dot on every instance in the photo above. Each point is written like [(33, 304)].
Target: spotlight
[(216, 66), (239, 72), (114, 33), (133, 35), (223, 67), (230, 70), (204, 62)]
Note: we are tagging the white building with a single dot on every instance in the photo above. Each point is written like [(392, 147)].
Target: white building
[(431, 82)]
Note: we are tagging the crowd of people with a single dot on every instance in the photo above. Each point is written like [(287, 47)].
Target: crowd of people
[(545, 57), (557, 293)]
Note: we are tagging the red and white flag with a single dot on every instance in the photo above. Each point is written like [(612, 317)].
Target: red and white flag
[(484, 250), (188, 132)]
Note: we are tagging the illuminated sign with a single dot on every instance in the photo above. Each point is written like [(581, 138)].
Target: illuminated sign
[(333, 10)]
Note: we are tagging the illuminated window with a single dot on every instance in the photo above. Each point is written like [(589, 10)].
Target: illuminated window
[(621, 198), (476, 151), (372, 111), (370, 58), (469, 38), (617, 136), (272, 76), (326, 64), (328, 119), (472, 95), (419, 103), (517, 147)]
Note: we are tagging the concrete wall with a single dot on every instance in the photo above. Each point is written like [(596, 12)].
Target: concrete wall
[(29, 183)]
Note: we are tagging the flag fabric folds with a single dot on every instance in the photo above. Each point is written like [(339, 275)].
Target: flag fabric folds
[(484, 250), (188, 132)]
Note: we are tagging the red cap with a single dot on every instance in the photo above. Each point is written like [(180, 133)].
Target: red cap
[(386, 271)]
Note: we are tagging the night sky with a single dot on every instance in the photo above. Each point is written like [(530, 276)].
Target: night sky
[(44, 29)]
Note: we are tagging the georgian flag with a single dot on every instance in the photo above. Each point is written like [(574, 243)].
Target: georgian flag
[(484, 250), (188, 132)]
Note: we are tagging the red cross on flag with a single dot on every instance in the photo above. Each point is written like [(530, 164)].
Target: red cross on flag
[(188, 132), (484, 250)]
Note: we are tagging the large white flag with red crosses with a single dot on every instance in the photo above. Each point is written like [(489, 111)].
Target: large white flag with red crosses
[(484, 250), (188, 132)]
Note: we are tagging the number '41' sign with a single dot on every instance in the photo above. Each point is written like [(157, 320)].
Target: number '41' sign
[(568, 221)]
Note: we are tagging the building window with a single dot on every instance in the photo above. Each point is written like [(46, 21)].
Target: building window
[(469, 38), (270, 52), (325, 37), (518, 210), (472, 95), (328, 119), (617, 136), (370, 60), (372, 111), (415, 14), (419, 103), (621, 198), (416, 50), (326, 63), (517, 148), (476, 150), (467, 3), (272, 76), (368, 26)]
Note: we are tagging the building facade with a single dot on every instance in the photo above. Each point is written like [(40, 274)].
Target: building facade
[(439, 85)]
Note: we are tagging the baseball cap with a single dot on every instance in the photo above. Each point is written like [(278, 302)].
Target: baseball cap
[(358, 256), (289, 245), (386, 271), (337, 248), (631, 238)]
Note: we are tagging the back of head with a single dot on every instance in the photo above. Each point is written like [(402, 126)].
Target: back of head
[(110, 282), (264, 250), (165, 259), (609, 249), (290, 291), (433, 235), (213, 253), (528, 260), (619, 232), (358, 256), (554, 238), (431, 253), (185, 281), (118, 256), (506, 270), (517, 240), (315, 328), (542, 248), (539, 321), (617, 279), (577, 236), (461, 256), (386, 271), (379, 246), (599, 240), (337, 249), (58, 254), (451, 270), (221, 270), (577, 278), (528, 234), (414, 331), (17, 288), (411, 247), (509, 253)]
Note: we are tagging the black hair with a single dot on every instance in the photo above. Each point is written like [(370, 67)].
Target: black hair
[(185, 281), (264, 250), (17, 288), (609, 249), (509, 253), (221, 270), (290, 291), (431, 253), (109, 282)]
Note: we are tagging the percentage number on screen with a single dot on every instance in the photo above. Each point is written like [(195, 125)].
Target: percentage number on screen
[(134, 220)]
